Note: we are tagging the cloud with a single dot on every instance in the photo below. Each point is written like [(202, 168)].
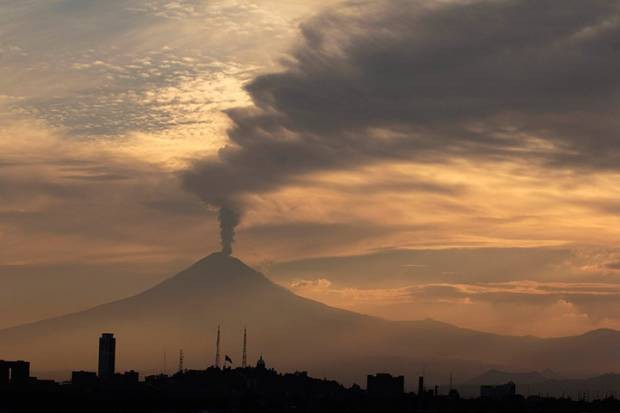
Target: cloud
[(520, 307), (565, 290), (403, 268), (319, 283), (518, 291), (86, 201), (303, 237), (112, 68), (425, 82)]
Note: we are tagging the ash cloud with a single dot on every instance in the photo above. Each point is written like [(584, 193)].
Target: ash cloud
[(416, 81), (228, 218)]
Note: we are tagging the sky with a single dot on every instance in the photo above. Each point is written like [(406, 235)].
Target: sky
[(447, 159)]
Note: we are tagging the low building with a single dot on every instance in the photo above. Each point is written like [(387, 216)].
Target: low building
[(500, 391), (383, 384), (14, 372), (84, 378), (127, 378)]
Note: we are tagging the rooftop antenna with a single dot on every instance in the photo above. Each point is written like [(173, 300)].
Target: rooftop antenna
[(217, 348), (450, 381), (165, 364), (244, 358), (181, 358)]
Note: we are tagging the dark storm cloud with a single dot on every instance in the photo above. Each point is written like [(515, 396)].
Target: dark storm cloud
[(411, 80)]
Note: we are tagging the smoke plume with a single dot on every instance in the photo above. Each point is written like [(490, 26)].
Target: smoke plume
[(229, 219), (373, 82)]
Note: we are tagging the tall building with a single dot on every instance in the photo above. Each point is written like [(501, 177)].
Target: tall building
[(84, 378), (107, 356)]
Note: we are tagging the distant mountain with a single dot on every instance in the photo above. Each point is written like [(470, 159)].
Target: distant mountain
[(500, 377), (550, 374), (293, 333), (534, 383), (591, 388)]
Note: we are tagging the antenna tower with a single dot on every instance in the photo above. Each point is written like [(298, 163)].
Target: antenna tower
[(244, 358), (217, 348), (181, 359)]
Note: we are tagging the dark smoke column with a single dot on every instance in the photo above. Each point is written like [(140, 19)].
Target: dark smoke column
[(229, 219)]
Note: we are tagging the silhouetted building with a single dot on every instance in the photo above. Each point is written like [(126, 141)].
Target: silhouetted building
[(260, 364), (14, 372), (84, 378), (500, 391), (107, 356), (5, 373), (386, 385), (421, 386), (157, 379), (127, 378), (265, 390), (454, 394)]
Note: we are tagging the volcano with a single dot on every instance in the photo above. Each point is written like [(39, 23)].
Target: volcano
[(291, 332)]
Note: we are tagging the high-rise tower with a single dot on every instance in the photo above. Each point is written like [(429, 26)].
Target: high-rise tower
[(107, 356), (217, 348), (244, 358)]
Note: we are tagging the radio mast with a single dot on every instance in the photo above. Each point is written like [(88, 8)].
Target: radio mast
[(217, 348), (244, 358)]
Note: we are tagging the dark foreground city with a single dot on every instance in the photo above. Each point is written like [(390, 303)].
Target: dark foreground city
[(258, 389), (253, 389)]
